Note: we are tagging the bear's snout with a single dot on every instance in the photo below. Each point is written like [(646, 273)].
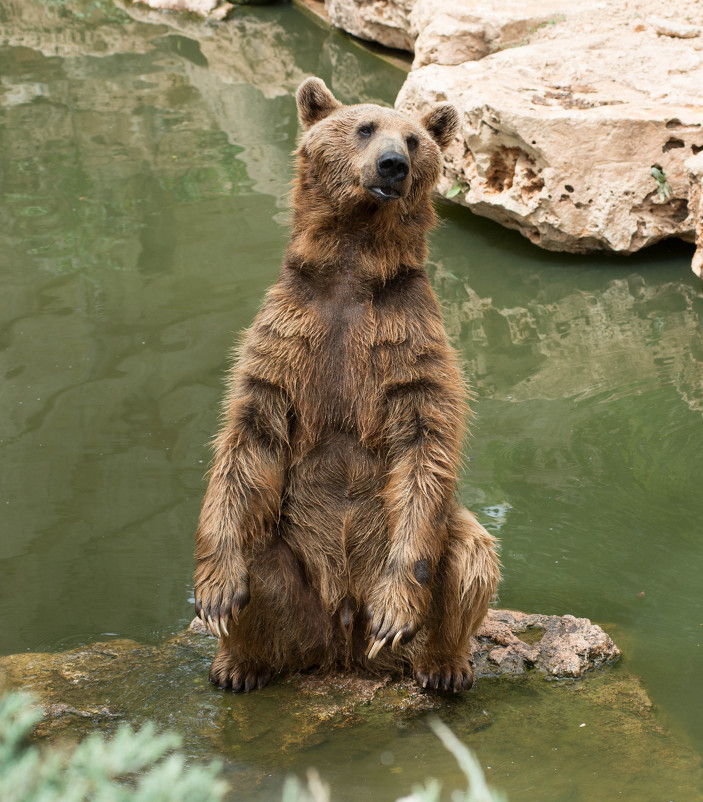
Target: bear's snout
[(393, 166), (389, 180)]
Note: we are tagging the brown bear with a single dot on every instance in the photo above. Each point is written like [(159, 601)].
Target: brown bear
[(330, 528)]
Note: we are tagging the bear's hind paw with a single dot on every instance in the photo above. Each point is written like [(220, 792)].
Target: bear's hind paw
[(444, 676), (240, 677)]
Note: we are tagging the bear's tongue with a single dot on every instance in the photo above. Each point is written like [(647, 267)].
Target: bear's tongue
[(386, 193)]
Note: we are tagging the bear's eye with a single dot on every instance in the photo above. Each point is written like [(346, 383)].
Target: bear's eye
[(365, 131), (412, 142)]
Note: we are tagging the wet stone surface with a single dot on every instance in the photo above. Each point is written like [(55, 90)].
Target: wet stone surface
[(104, 683), (293, 723)]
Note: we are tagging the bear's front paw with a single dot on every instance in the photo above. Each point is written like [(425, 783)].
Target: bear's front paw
[(219, 601), (395, 615)]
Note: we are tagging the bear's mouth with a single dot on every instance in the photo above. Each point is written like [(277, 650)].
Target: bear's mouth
[(384, 193)]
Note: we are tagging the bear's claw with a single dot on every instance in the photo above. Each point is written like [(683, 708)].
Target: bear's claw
[(240, 677), (382, 629), (375, 648), (379, 639), (445, 677), (215, 609)]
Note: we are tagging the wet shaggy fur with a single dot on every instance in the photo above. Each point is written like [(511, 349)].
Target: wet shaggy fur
[(330, 536)]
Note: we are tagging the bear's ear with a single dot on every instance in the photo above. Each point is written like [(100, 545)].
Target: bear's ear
[(442, 123), (315, 102)]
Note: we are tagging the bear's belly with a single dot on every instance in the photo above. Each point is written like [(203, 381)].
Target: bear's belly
[(333, 516)]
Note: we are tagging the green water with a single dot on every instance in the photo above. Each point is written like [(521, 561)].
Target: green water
[(144, 175)]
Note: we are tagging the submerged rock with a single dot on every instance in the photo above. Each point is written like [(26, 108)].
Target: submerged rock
[(558, 646), (105, 682)]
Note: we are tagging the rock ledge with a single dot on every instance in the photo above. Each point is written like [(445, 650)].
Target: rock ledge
[(561, 647)]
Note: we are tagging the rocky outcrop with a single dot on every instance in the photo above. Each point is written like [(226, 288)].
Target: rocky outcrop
[(559, 138), (210, 9), (452, 33), (105, 683), (577, 119), (446, 33), (558, 646), (694, 173), (387, 23)]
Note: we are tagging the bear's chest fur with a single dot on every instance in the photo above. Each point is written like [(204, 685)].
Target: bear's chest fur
[(346, 339), (338, 342), (337, 392)]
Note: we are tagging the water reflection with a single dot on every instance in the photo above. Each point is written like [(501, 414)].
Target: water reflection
[(621, 340)]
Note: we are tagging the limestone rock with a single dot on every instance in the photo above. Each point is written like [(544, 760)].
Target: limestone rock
[(566, 108), (558, 646), (694, 172), (104, 684), (384, 21), (466, 30), (447, 33), (212, 9), (559, 138), (674, 28)]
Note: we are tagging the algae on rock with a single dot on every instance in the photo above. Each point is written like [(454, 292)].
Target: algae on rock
[(99, 686)]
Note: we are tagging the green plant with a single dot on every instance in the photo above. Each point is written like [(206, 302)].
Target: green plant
[(663, 186), (460, 186), (133, 766)]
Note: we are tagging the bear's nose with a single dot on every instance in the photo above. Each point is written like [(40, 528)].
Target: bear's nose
[(392, 166)]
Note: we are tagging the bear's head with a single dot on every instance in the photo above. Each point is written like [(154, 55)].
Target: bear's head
[(370, 154)]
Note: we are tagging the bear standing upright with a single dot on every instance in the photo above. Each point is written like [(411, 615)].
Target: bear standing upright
[(330, 528)]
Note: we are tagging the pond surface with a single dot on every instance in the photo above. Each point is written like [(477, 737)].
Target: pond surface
[(144, 176)]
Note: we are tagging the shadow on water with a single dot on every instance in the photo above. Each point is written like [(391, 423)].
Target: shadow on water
[(144, 175)]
